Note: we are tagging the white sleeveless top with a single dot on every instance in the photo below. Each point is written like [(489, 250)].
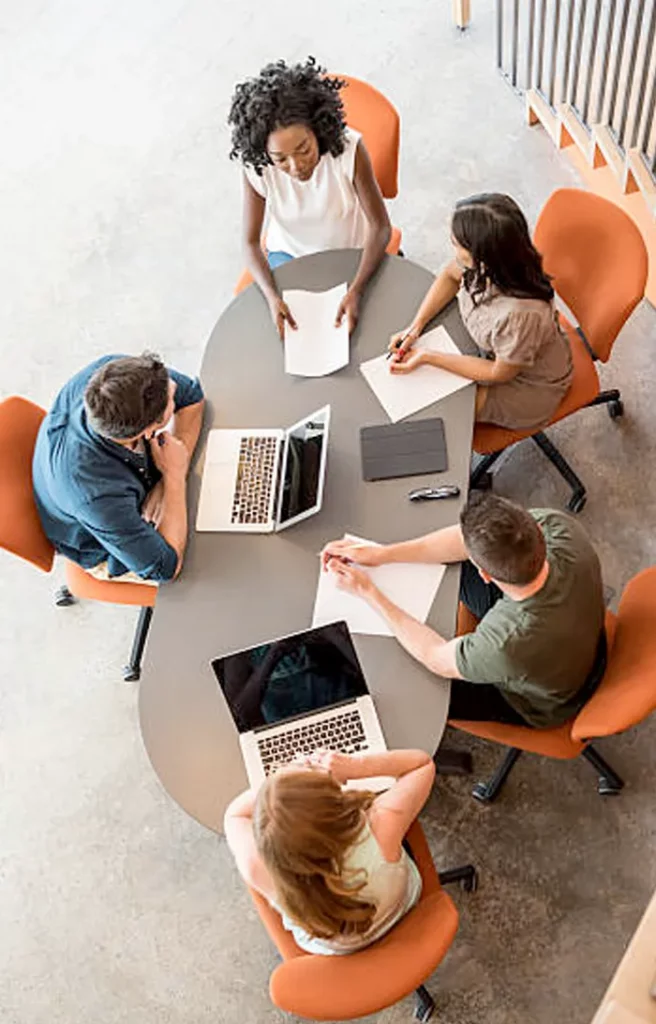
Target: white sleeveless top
[(394, 887), (309, 216)]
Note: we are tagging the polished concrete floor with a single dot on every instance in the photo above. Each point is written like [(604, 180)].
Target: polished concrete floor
[(120, 221)]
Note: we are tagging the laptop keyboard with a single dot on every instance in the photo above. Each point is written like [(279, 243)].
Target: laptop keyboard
[(255, 475), (344, 733)]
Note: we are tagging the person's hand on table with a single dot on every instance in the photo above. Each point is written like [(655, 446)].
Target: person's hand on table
[(402, 341), (349, 307), (281, 315), (351, 579), (408, 361), (346, 550), (151, 510)]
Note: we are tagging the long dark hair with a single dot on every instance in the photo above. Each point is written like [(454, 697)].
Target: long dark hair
[(493, 229)]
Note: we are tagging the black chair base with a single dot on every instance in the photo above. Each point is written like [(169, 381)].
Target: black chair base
[(480, 476), (467, 876), (609, 782), (132, 671), (424, 1004)]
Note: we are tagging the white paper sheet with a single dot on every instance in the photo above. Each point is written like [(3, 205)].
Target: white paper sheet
[(317, 347), (410, 586), (402, 394)]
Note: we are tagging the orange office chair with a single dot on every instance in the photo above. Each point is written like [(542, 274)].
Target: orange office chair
[(598, 262), (22, 534), (373, 116), (344, 987), (625, 696)]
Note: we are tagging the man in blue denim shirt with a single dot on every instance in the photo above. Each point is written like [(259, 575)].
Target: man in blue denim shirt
[(110, 485)]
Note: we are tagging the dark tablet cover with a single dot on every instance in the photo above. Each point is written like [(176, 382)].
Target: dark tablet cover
[(403, 449)]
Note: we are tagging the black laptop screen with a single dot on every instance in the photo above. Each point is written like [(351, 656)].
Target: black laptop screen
[(299, 674), (301, 481)]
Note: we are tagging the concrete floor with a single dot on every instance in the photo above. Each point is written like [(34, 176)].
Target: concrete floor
[(120, 231)]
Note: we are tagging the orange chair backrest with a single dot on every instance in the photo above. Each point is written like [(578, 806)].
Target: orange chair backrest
[(20, 527), (372, 114), (344, 987), (627, 693), (597, 259)]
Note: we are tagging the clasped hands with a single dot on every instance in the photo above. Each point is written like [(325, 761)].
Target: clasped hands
[(342, 557)]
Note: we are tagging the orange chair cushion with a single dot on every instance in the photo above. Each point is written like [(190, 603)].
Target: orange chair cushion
[(80, 583), (556, 742), (377, 120), (585, 387), (627, 693), (393, 247), (597, 259), (21, 531), (344, 987)]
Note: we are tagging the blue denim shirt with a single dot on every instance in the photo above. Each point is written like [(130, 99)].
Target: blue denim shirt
[(89, 490)]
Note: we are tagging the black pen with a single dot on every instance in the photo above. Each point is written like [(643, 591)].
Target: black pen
[(398, 345)]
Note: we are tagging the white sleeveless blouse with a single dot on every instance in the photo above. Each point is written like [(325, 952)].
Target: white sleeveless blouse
[(303, 217)]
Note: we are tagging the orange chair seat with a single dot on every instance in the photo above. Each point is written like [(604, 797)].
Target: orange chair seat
[(556, 742), (585, 387), (344, 987), (80, 583)]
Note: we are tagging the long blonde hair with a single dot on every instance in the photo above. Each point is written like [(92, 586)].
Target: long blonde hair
[(304, 824)]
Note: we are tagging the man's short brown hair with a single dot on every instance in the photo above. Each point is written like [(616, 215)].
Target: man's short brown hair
[(127, 395), (502, 539)]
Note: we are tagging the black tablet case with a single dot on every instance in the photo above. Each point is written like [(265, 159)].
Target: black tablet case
[(403, 449)]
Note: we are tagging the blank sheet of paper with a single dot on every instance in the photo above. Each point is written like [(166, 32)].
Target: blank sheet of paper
[(316, 348), (402, 394), (410, 586)]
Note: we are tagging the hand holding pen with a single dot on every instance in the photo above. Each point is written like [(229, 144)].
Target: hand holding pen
[(402, 341)]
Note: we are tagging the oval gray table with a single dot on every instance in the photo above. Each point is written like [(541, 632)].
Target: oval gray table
[(237, 590)]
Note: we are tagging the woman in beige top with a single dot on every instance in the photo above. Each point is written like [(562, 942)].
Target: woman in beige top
[(507, 304)]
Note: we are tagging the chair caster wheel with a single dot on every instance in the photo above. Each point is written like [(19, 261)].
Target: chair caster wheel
[(470, 883), (64, 598), (424, 1005), (130, 674), (607, 788), (480, 792), (401, 253), (577, 503), (616, 408)]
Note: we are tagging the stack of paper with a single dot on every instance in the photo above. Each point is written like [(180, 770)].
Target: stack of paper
[(316, 348), (409, 585), (404, 393)]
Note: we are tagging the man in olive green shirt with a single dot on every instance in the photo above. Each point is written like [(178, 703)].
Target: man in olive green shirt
[(533, 580)]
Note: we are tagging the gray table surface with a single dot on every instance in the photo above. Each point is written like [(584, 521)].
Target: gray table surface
[(237, 590)]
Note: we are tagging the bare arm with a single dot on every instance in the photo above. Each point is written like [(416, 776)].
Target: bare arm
[(442, 291), (238, 827), (419, 640), (483, 371), (256, 261), (441, 546), (172, 459), (187, 423)]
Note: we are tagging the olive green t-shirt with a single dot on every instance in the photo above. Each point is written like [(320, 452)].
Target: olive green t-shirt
[(539, 651)]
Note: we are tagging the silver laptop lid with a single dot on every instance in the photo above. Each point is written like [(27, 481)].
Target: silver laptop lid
[(303, 469), (291, 677)]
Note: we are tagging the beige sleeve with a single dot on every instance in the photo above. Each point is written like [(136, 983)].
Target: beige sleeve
[(518, 337)]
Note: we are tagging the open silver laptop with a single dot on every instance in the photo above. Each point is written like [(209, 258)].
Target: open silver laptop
[(257, 481), (299, 694)]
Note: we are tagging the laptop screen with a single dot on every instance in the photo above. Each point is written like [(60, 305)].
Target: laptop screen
[(303, 468), (275, 681)]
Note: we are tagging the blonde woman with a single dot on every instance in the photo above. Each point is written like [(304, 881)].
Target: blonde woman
[(331, 859)]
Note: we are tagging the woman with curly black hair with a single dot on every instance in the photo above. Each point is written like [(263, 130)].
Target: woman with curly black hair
[(507, 304), (309, 174)]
